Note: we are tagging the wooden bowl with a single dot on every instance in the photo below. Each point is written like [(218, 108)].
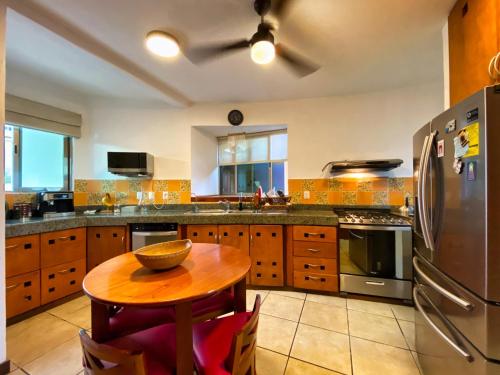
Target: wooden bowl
[(164, 255)]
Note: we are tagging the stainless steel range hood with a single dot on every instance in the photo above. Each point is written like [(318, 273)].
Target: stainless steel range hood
[(131, 164), (346, 166)]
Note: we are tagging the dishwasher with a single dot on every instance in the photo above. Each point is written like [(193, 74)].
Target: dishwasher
[(145, 234)]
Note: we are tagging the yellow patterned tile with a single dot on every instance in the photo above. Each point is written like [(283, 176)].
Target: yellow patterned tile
[(160, 185), (185, 186), (81, 186)]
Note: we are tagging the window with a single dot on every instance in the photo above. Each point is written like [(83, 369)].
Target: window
[(36, 160), (247, 161)]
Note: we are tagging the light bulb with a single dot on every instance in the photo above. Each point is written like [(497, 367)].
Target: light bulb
[(263, 52), (162, 44)]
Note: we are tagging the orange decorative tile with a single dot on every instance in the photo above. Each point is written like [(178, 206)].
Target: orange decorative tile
[(147, 185), (396, 198), (320, 184), (408, 184), (380, 184), (294, 185), (185, 197), (122, 185), (349, 185), (334, 197), (94, 186), (364, 197), (81, 199), (174, 185)]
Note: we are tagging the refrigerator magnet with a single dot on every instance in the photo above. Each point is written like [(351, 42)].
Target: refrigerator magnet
[(440, 148), (458, 165), (471, 171)]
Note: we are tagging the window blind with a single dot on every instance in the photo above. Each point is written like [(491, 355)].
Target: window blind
[(30, 114)]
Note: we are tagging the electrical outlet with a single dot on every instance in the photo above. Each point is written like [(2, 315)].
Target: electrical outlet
[(139, 195), (307, 194), (165, 195), (151, 195)]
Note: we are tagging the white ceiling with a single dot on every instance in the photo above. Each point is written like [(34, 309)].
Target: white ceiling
[(362, 45)]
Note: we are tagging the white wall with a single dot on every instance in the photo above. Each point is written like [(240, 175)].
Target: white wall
[(446, 66), (204, 171), (366, 126)]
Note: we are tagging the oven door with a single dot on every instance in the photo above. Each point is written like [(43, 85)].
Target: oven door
[(376, 251)]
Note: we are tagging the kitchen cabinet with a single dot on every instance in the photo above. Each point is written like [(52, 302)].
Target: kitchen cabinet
[(234, 235), (202, 233), (22, 293), (266, 253), (63, 246), (314, 264), (104, 243), (62, 280), (474, 39)]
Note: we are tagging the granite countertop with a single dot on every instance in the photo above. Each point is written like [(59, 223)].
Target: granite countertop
[(302, 217)]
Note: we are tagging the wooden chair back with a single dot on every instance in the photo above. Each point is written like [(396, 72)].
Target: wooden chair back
[(242, 358), (101, 359)]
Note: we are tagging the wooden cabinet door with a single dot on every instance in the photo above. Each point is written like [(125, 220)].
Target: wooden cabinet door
[(62, 246), (473, 41), (235, 235), (22, 293), (62, 280), (104, 243), (202, 233), (266, 253), (22, 255)]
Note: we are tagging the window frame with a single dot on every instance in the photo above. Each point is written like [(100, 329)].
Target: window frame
[(17, 165), (268, 160)]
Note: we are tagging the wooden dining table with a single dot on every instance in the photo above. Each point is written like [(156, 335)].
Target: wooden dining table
[(123, 281)]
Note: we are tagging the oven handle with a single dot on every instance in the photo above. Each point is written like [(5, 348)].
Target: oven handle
[(458, 349), (438, 288), (376, 227), (355, 235), (154, 234)]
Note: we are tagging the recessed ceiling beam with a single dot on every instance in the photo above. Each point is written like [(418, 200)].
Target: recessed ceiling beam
[(80, 38)]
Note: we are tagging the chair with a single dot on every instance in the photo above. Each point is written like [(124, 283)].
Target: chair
[(127, 320), (149, 352), (227, 345)]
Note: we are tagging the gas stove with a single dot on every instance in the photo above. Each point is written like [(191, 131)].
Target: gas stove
[(371, 217)]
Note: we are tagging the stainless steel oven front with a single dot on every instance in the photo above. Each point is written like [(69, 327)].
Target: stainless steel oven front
[(376, 260)]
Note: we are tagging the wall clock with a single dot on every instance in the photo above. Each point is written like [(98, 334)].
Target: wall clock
[(235, 117)]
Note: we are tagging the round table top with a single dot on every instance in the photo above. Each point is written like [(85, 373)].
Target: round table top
[(208, 268)]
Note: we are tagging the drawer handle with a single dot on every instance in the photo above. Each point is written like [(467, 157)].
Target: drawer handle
[(14, 286), (376, 283), (308, 265), (10, 247), (65, 238), (314, 278), (67, 270), (306, 234), (313, 250)]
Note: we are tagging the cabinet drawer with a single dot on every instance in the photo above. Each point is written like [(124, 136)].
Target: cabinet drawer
[(315, 249), (22, 293), (267, 273), (22, 255), (202, 233), (62, 246), (62, 280), (315, 281), (314, 233), (316, 265)]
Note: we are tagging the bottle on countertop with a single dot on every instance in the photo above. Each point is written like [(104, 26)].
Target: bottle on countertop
[(240, 202)]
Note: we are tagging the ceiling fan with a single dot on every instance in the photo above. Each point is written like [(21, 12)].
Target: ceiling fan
[(262, 45)]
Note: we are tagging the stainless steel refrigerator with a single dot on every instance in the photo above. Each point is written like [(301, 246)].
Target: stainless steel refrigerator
[(457, 238)]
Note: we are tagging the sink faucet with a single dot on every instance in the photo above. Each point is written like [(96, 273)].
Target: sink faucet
[(225, 204), (194, 199)]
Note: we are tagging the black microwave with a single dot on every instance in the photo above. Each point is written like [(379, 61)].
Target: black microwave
[(131, 164)]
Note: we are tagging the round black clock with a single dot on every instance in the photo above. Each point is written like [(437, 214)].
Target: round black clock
[(235, 117)]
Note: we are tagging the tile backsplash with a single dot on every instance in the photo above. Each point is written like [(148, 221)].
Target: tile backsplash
[(368, 191), (339, 191)]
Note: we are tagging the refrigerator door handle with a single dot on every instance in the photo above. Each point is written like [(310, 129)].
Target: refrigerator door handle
[(438, 288), (420, 195), (450, 342), (425, 213)]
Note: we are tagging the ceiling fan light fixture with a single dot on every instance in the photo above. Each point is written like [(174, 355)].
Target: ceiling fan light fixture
[(263, 52), (162, 44)]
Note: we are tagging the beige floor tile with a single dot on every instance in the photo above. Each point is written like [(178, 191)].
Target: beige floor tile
[(378, 308), (287, 293), (296, 367), (408, 329), (17, 372), (327, 300), (66, 359), (370, 358), (80, 317), (325, 316), (13, 366), (71, 306), (415, 357), (275, 334), (376, 327), (252, 294), (404, 312), (36, 336), (323, 348), (270, 363), (282, 307)]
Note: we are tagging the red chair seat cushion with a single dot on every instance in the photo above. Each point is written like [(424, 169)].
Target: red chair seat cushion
[(132, 319), (157, 344), (212, 342)]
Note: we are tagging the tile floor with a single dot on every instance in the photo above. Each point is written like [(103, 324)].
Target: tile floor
[(298, 333)]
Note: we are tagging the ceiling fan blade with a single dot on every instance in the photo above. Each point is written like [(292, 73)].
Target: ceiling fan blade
[(300, 65), (280, 8), (200, 55)]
